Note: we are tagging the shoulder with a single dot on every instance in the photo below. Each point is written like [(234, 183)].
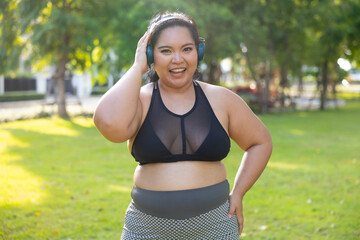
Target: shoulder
[(220, 95), (215, 89), (147, 88), (146, 93)]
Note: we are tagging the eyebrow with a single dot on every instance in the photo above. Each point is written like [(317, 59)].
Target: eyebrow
[(187, 44)]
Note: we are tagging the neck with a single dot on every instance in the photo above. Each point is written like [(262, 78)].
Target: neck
[(178, 100), (176, 90)]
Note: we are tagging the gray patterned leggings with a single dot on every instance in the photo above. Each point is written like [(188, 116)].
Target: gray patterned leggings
[(211, 224)]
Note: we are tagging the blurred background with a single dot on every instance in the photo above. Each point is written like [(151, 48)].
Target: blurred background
[(295, 62), (58, 57)]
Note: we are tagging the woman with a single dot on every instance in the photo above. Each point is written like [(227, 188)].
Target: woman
[(178, 130)]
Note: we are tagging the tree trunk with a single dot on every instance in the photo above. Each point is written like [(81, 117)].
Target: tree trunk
[(268, 76), (59, 76), (324, 84), (301, 83), (253, 75), (60, 93), (283, 85), (213, 77), (269, 73), (334, 81)]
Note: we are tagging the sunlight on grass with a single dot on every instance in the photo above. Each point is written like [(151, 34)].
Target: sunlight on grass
[(83, 122), (55, 127), (119, 188), (8, 140), (297, 132), (286, 166), (303, 114), (19, 187)]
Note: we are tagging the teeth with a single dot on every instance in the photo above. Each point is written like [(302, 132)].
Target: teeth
[(178, 70)]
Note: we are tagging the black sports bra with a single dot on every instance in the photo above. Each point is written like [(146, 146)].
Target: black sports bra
[(168, 137)]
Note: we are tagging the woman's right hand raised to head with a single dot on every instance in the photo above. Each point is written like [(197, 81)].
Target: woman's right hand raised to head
[(140, 55)]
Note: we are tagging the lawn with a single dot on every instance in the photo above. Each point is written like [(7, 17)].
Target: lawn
[(61, 179)]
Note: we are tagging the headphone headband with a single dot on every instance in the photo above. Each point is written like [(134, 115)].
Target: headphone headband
[(154, 25)]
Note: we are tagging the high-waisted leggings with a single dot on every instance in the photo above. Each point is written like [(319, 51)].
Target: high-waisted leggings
[(200, 213)]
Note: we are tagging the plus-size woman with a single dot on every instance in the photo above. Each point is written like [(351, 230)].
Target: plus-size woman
[(179, 130)]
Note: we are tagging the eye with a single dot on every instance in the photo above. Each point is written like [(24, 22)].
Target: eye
[(188, 49), (165, 51)]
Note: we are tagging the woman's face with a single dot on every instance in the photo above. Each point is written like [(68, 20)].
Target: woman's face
[(175, 56)]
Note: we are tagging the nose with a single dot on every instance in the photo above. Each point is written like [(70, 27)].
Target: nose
[(177, 57)]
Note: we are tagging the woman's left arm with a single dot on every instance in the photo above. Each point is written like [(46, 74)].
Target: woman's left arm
[(247, 130)]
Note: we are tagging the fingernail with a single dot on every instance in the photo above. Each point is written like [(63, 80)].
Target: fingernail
[(229, 215)]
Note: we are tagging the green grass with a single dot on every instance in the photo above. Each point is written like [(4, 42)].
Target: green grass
[(61, 179)]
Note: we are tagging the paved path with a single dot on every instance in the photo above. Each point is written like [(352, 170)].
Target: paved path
[(307, 103), (10, 111)]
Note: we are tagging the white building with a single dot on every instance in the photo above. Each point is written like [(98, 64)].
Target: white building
[(81, 84)]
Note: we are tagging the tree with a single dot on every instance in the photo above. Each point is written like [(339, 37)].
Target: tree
[(329, 29), (10, 43), (256, 25), (63, 32), (219, 28), (351, 18), (101, 36)]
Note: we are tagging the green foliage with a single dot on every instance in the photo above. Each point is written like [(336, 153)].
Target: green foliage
[(52, 24), (350, 16), (99, 90), (23, 75), (10, 43), (218, 26), (103, 35), (61, 179), (20, 96)]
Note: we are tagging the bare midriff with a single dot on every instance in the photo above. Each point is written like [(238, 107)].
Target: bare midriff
[(179, 175)]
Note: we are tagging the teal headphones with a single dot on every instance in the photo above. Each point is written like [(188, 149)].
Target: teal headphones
[(150, 54)]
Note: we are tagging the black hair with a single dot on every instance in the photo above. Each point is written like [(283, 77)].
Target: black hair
[(163, 21)]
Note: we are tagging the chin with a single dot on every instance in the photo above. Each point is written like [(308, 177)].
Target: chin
[(178, 82)]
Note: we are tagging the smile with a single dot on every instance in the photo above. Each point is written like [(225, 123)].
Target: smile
[(178, 70)]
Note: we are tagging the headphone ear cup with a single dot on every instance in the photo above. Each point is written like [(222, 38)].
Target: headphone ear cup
[(149, 55), (201, 51)]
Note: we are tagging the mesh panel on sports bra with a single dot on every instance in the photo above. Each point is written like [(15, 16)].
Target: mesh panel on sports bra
[(197, 126), (181, 134)]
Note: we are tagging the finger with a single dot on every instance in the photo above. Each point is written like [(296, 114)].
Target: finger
[(240, 219), (231, 210), (146, 36), (143, 39)]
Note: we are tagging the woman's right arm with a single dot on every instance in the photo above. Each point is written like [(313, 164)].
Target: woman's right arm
[(119, 111)]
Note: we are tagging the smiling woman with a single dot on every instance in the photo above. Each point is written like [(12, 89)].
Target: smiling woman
[(179, 130)]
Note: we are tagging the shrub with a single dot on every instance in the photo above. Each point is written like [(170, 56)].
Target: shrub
[(21, 96), (99, 90)]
